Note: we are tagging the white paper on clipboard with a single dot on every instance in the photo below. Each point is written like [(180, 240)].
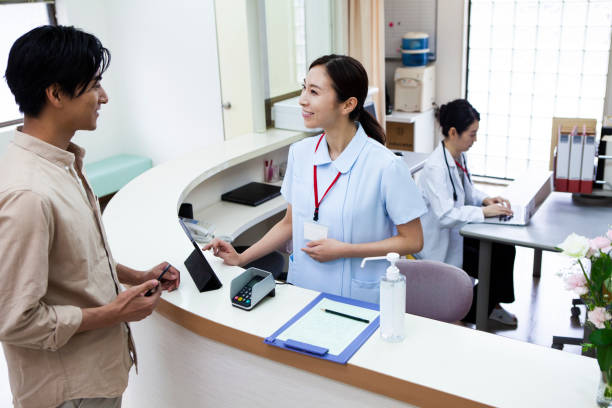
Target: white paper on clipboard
[(327, 330)]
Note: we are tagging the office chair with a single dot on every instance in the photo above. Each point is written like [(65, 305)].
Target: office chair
[(436, 290)]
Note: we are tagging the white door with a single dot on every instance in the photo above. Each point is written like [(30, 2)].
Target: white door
[(239, 67)]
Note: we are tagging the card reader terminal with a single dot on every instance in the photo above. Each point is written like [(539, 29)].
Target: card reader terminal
[(248, 288), (244, 296)]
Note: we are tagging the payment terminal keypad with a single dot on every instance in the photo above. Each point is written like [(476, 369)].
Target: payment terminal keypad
[(243, 297)]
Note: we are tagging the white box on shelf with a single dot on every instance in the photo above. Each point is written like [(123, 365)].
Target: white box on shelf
[(287, 114)]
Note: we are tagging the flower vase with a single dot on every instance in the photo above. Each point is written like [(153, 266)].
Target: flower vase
[(604, 392)]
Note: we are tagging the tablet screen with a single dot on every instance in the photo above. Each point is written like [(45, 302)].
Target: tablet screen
[(200, 270)]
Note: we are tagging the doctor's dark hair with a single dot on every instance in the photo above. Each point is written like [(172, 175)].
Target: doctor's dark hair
[(350, 79), (50, 55), (459, 114)]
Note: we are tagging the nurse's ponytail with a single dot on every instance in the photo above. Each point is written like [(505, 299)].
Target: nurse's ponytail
[(350, 79), (371, 126)]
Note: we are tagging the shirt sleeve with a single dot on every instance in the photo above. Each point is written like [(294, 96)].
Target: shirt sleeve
[(478, 197), (26, 231), (403, 200), (438, 193), (286, 188)]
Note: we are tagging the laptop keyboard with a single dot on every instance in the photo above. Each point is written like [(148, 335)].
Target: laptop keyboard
[(518, 218)]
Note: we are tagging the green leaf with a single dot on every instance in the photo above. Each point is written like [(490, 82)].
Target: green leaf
[(601, 270), (604, 357), (608, 285), (587, 346), (601, 337)]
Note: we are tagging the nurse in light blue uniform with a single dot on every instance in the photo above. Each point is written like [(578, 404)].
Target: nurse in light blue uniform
[(367, 203), (373, 194)]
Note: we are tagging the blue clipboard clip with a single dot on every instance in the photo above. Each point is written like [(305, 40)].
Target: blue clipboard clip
[(305, 347), (322, 352)]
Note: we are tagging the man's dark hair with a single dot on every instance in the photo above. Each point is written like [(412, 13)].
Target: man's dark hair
[(50, 55)]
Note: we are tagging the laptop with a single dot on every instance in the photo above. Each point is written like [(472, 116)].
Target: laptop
[(521, 216), (252, 194), (525, 194)]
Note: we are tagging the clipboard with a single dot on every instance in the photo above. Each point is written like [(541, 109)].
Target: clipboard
[(358, 331)]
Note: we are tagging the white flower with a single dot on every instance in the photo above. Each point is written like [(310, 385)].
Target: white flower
[(598, 316), (575, 246)]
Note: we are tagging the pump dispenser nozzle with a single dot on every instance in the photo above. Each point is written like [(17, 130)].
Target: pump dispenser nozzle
[(392, 270)]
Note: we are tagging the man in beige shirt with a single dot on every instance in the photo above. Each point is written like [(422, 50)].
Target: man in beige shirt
[(64, 315)]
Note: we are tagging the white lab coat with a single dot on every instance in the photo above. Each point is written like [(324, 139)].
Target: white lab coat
[(445, 217)]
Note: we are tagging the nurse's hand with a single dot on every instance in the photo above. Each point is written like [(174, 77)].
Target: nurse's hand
[(324, 250), (494, 210), (223, 250), (496, 200)]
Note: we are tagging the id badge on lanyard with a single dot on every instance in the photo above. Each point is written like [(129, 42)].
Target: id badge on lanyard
[(313, 230)]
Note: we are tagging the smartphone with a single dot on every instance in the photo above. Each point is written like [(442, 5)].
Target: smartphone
[(153, 290)]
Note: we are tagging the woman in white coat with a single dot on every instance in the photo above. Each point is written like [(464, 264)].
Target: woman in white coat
[(453, 201)]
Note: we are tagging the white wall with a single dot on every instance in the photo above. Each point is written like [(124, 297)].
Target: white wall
[(451, 55), (318, 29), (92, 17), (281, 47), (163, 81)]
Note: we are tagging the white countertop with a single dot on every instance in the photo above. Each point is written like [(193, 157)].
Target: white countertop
[(141, 223)]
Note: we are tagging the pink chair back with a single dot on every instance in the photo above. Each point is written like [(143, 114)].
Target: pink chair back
[(436, 290)]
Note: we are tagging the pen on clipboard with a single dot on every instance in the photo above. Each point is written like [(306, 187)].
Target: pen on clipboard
[(359, 319)]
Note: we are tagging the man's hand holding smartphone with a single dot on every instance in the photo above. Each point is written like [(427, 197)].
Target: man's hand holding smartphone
[(171, 282)]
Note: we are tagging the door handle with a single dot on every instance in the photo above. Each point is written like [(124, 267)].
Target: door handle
[(227, 105)]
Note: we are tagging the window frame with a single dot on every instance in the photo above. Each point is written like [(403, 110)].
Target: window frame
[(51, 13), (508, 174)]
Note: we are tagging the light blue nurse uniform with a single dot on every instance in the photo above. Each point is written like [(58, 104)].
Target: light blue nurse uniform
[(374, 192)]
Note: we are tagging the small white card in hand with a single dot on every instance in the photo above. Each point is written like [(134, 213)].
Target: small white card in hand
[(314, 231)]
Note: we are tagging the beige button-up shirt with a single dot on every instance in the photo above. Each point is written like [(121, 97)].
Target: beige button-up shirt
[(55, 260)]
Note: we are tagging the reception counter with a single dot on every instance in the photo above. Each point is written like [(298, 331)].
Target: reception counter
[(197, 350)]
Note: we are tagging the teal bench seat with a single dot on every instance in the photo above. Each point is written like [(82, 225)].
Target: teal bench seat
[(109, 175)]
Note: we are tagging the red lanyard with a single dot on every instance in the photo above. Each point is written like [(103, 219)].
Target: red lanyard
[(461, 167), (316, 189)]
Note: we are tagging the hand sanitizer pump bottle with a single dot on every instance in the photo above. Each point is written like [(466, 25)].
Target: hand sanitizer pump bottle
[(392, 300)]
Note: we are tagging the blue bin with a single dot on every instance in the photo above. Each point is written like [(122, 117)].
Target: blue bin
[(415, 41), (415, 58)]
